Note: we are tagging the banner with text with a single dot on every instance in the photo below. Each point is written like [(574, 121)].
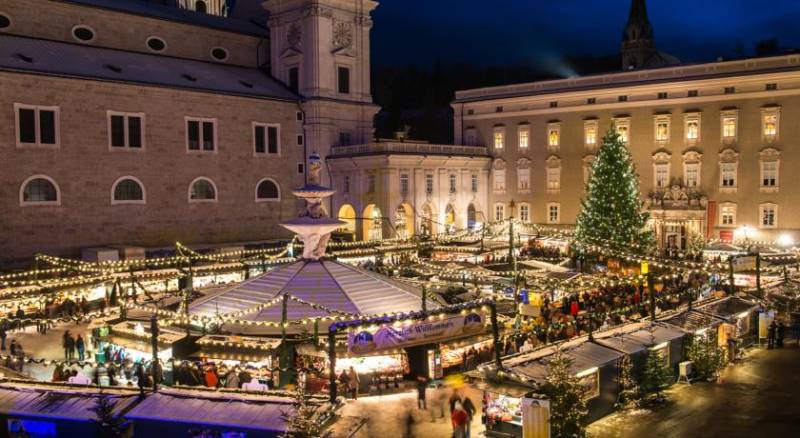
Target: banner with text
[(392, 336)]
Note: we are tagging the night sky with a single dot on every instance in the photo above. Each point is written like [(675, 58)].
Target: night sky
[(541, 32)]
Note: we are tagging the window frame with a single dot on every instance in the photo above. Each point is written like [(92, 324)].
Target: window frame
[(729, 115), (156, 37), (266, 127), (499, 207), (23, 203), (202, 201), (732, 213), (452, 183), (115, 201), (524, 128), (339, 69), (474, 183), (548, 211), (277, 187), (429, 184), (126, 130), (37, 125), (623, 122), (526, 208), (658, 120), (501, 131), (771, 156), (553, 128), (83, 26), (589, 124), (470, 137), (553, 175), (223, 59), (499, 181), (770, 111), (405, 184), (687, 119), (690, 160), (201, 121), (761, 210), (523, 174)]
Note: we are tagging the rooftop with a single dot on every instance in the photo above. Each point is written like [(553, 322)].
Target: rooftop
[(85, 62), (406, 148)]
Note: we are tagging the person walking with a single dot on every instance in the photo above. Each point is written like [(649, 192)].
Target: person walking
[(3, 335), (353, 382), (771, 335), (780, 331), (459, 420), (80, 345), (65, 343), (20, 315), (469, 407), (12, 349), (422, 386)]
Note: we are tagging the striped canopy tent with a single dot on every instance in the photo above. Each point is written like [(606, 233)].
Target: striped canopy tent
[(314, 289)]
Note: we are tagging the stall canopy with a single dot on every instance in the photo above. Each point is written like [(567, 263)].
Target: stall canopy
[(533, 367), (317, 289), (692, 321), (729, 308), (633, 338), (23, 400), (258, 413)]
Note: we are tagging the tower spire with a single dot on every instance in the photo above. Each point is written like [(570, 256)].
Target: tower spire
[(637, 38)]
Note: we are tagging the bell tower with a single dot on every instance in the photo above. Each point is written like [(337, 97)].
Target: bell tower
[(638, 44), (321, 49)]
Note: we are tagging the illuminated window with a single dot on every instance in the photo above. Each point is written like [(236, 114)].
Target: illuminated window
[(770, 120), (769, 174), (404, 183), (499, 138), (727, 214), (662, 129), (524, 212), (728, 174), (553, 136), (452, 180), (553, 213), (524, 134), (590, 133), (729, 127), (429, 184), (499, 180), (769, 215), (553, 179), (523, 179), (692, 128), (691, 174), (623, 126)]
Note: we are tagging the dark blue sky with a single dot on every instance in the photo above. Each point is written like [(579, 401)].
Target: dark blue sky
[(501, 32)]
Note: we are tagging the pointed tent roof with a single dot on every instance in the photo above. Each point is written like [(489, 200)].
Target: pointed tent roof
[(316, 289)]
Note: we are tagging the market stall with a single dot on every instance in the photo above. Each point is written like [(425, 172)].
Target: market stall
[(638, 339), (740, 318), (132, 339)]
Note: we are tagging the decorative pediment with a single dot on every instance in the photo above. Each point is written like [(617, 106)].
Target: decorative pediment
[(553, 161), (499, 164), (589, 159), (729, 155), (291, 52), (344, 52), (692, 156), (769, 154), (523, 163), (662, 156)]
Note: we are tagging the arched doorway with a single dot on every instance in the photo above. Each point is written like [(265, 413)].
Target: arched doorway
[(449, 219), (372, 222), (348, 214), (427, 227), (404, 221), (472, 220)]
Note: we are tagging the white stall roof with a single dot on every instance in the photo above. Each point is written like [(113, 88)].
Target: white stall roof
[(585, 355), (633, 338), (55, 402)]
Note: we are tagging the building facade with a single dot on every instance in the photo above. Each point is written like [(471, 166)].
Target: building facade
[(142, 123)]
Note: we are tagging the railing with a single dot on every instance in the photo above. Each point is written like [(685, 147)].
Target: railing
[(409, 148)]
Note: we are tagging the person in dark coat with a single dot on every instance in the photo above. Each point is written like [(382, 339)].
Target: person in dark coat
[(20, 315), (779, 334), (771, 335), (422, 386), (3, 335), (470, 408), (13, 347), (80, 345)]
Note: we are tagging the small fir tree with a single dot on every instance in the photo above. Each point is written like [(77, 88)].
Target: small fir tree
[(301, 420), (657, 375), (612, 212), (568, 411), (109, 425), (628, 387), (706, 355)]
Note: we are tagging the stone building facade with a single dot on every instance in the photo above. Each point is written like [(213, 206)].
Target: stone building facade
[(138, 124)]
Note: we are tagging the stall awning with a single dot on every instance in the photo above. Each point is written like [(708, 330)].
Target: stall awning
[(585, 355), (728, 308), (633, 338), (193, 407), (55, 403)]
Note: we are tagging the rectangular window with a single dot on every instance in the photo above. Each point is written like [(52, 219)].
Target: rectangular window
[(770, 124), (500, 180), (622, 98), (347, 183), (404, 183), (662, 130), (524, 213), (769, 174), (125, 129), (692, 128), (692, 93), (200, 134), (344, 138), (301, 168), (554, 104), (769, 215), (692, 174), (553, 213), (553, 178), (344, 80), (729, 127), (370, 183), (294, 79), (300, 139), (470, 137), (661, 175), (771, 87), (265, 138), (37, 125), (523, 179), (452, 180), (590, 134), (474, 183), (663, 95), (591, 101), (524, 134), (730, 90), (499, 138), (499, 212), (553, 136), (429, 184), (728, 174), (728, 215), (623, 129)]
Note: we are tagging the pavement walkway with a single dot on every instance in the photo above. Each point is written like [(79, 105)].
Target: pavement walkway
[(757, 398)]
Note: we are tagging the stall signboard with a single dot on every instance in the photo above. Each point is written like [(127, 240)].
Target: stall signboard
[(764, 320), (535, 418), (392, 336), (744, 263)]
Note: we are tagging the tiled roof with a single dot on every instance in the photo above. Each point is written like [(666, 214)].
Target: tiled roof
[(81, 61), (172, 13)]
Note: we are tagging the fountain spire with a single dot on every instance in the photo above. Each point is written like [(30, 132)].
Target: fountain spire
[(313, 226)]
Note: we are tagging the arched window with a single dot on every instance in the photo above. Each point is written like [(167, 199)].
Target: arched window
[(39, 190), (202, 190), (127, 190), (267, 190), (200, 6)]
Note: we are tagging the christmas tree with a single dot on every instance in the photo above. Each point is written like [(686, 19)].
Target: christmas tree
[(567, 406), (657, 375), (109, 425), (612, 213), (628, 388), (301, 420), (706, 356)]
